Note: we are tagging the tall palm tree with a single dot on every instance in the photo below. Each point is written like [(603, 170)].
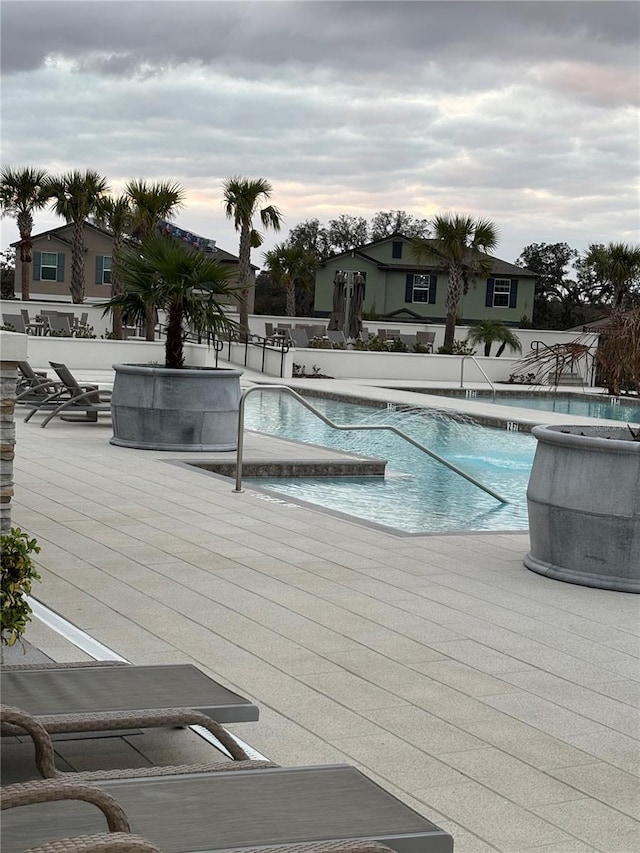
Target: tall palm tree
[(461, 244), (242, 200), (152, 202), (617, 264), (168, 275), (76, 196), (23, 191), (116, 215), (290, 266), (489, 332)]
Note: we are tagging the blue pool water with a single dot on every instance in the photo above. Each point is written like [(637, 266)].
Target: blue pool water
[(417, 494), (567, 404)]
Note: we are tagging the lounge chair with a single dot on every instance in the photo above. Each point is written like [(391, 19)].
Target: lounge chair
[(30, 379), (81, 402), (18, 722), (328, 808), (95, 696)]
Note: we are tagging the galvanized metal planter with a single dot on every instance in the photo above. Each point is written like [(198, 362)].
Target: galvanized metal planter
[(584, 506), (160, 408)]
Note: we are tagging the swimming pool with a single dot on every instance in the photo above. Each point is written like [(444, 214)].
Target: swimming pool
[(417, 494), (564, 404)]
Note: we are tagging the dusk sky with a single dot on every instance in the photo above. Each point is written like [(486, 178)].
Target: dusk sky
[(522, 112)]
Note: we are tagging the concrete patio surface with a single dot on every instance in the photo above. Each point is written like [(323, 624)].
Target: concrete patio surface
[(499, 703)]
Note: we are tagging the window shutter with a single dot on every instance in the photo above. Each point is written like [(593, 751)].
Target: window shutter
[(60, 270), (37, 262), (99, 268), (513, 295), (433, 285), (408, 293), (489, 300)]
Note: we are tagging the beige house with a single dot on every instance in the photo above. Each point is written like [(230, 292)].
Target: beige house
[(51, 267)]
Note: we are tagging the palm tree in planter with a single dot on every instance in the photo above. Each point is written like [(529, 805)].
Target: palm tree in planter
[(23, 191), (76, 196), (174, 407), (489, 332), (290, 266), (460, 243), (242, 200)]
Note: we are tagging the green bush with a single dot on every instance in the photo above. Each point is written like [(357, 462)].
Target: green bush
[(18, 573)]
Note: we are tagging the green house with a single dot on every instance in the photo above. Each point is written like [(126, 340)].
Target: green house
[(396, 287)]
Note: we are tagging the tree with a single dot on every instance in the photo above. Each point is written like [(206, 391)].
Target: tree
[(618, 267), (22, 192), (270, 297), (168, 275), (152, 203), (347, 232), (291, 267), (312, 236), (386, 223), (242, 200), (460, 243), (116, 215), (489, 332), (7, 274), (76, 196), (556, 294)]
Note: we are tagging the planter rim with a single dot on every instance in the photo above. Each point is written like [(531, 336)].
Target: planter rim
[(174, 371), (548, 434)]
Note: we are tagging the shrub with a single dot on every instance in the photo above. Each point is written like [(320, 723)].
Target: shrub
[(18, 573)]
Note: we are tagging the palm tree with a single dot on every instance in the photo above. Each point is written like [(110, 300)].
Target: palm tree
[(76, 196), (289, 266), (168, 275), (617, 264), (152, 203), (242, 200), (116, 215), (461, 243), (23, 191), (488, 332)]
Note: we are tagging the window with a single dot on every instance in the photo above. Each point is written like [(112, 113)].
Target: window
[(501, 292), (106, 270), (49, 266), (421, 286), (396, 249)]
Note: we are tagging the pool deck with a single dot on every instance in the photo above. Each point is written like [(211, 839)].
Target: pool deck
[(500, 704)]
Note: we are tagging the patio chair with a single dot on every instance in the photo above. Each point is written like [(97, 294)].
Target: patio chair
[(29, 378), (61, 324), (16, 721), (427, 339), (299, 337), (16, 322), (325, 809), (82, 403), (337, 337)]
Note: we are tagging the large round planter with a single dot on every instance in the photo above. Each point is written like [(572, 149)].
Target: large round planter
[(584, 506), (159, 408)]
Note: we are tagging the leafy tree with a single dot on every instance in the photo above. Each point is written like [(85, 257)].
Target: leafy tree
[(312, 236), (152, 203), (242, 200), (291, 267), (76, 196), (116, 215), (270, 297), (168, 275), (23, 191), (618, 267), (552, 302), (386, 223), (489, 332), (347, 232), (460, 243), (7, 274)]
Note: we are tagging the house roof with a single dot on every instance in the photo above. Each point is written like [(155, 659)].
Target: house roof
[(220, 254), (498, 267)]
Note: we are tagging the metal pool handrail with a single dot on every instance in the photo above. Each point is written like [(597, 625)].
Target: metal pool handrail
[(479, 366), (330, 423)]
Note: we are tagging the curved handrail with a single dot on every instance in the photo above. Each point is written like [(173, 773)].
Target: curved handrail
[(330, 423), (479, 366)]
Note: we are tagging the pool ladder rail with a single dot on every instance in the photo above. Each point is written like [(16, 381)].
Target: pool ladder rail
[(480, 368), (285, 389)]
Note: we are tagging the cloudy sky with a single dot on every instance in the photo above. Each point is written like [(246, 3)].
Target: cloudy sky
[(522, 112)]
